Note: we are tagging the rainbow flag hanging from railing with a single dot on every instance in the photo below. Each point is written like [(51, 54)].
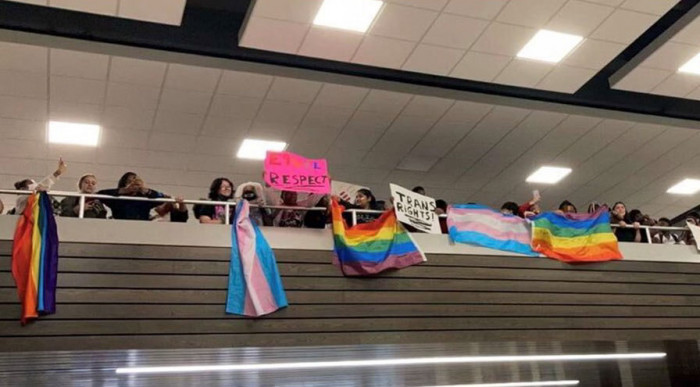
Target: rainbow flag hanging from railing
[(254, 283), (35, 258), (371, 248), (575, 237)]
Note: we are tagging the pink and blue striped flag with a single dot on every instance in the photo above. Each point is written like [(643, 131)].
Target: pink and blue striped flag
[(483, 226), (254, 283)]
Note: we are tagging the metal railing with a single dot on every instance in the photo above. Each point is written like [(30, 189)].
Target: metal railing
[(228, 204)]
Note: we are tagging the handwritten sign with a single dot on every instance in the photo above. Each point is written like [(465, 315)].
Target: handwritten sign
[(287, 171), (415, 209)]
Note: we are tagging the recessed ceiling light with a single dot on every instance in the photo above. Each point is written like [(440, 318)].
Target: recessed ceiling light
[(686, 187), (548, 175), (549, 46), (74, 134), (387, 362), (520, 384), (353, 15), (257, 149), (692, 66)]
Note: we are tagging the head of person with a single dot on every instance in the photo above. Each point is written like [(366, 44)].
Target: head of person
[(664, 222), (24, 185), (510, 208), (567, 207), (324, 201), (221, 189), (289, 198), (593, 207), (2, 207), (636, 216), (365, 199), (440, 207), (619, 210), (249, 193), (87, 183), (127, 179), (419, 190)]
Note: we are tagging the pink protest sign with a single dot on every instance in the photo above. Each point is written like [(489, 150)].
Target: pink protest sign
[(290, 172)]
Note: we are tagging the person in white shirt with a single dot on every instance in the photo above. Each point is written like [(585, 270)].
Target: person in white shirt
[(44, 184)]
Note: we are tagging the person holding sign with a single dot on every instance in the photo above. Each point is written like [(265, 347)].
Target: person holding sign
[(364, 200), (416, 210), (287, 171)]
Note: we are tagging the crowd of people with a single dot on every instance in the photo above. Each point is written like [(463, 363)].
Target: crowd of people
[(270, 207)]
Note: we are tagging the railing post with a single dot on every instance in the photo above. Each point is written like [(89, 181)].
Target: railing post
[(81, 211), (227, 215), (648, 234), (354, 218)]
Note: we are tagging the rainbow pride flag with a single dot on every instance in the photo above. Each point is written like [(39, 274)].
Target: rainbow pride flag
[(254, 283), (35, 258), (371, 248), (483, 226), (575, 237)]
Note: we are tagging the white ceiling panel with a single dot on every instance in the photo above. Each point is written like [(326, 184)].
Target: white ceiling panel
[(433, 59), (476, 8), (383, 52), (327, 43), (66, 89), (529, 13), (244, 84), (173, 121), (524, 73), (293, 90), (185, 101), (455, 31), (233, 106), (124, 117), (273, 35), (341, 96), (137, 71), (154, 11), (79, 64), (21, 84), (24, 58), (566, 79), (23, 108), (192, 78), (579, 18), (400, 22), (132, 96), (480, 67)]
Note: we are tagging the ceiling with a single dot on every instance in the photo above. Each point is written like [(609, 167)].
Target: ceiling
[(469, 39), (463, 135), (154, 11)]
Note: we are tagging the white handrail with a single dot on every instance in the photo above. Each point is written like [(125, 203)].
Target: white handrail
[(227, 204)]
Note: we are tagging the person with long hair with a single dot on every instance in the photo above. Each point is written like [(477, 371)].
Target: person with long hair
[(364, 200), (44, 184), (94, 208), (619, 216), (220, 190)]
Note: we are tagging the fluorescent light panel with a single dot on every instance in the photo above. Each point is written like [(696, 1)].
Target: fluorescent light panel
[(520, 384), (257, 149), (548, 175), (686, 187), (692, 66), (353, 15), (549, 46), (385, 362), (74, 134)]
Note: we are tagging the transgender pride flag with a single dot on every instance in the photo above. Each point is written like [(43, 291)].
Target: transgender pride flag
[(254, 284), (483, 226)]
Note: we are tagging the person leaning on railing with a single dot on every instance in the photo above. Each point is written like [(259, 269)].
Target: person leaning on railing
[(131, 184), (94, 208), (220, 190), (364, 200)]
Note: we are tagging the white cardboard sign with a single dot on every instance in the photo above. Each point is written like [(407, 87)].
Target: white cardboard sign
[(415, 209)]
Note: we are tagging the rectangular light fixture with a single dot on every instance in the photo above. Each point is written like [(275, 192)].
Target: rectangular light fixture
[(549, 46), (520, 384), (74, 134), (548, 175), (686, 187), (353, 15), (692, 66), (386, 362), (257, 149)]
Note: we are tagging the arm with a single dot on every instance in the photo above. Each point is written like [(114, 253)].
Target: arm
[(48, 182)]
